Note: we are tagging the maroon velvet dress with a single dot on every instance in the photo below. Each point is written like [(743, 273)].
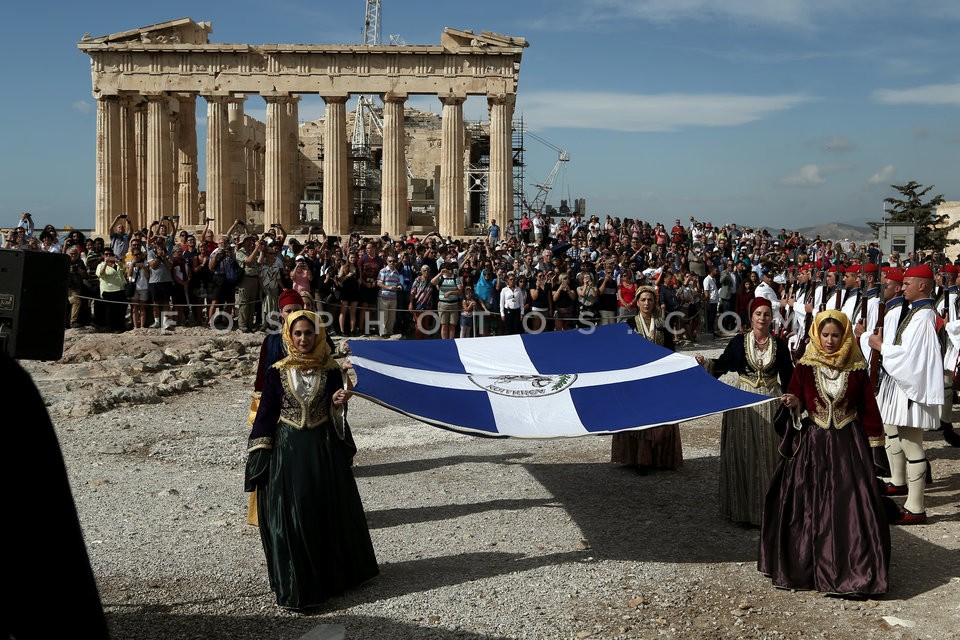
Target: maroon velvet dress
[(657, 447), (824, 524)]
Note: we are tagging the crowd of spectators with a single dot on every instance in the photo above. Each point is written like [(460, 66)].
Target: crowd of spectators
[(542, 273)]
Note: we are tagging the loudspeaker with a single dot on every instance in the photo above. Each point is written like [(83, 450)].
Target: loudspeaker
[(33, 303)]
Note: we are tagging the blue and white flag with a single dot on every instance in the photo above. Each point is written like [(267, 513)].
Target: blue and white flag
[(548, 385)]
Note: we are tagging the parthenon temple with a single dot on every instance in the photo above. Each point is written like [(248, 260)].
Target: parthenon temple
[(146, 82)]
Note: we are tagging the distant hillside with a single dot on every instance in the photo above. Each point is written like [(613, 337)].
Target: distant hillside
[(839, 231), (835, 231)]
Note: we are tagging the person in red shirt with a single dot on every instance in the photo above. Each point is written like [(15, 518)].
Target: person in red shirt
[(370, 265), (678, 234)]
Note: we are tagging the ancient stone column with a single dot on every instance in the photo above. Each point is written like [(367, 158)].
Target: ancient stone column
[(336, 214), (249, 169), (188, 189), (238, 171), (128, 159), (173, 160), (138, 218), (393, 197), (108, 164), (159, 175), (500, 186), (294, 188), (218, 165), (253, 156), (259, 159), (450, 219), (275, 164)]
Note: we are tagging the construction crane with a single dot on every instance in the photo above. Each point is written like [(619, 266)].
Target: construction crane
[(543, 188), (369, 118), (365, 119)]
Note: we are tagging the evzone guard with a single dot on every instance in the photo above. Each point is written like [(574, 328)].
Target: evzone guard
[(911, 390)]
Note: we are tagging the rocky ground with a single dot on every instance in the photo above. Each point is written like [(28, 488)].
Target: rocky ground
[(476, 538)]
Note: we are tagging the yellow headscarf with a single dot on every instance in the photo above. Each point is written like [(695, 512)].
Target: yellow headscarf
[(319, 358), (847, 358)]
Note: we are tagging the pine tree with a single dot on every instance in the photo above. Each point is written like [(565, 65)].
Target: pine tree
[(931, 229)]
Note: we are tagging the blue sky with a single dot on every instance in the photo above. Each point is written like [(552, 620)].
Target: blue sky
[(785, 113)]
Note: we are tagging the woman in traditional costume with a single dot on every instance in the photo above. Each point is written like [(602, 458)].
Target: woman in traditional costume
[(657, 447), (748, 441), (311, 519), (824, 524)]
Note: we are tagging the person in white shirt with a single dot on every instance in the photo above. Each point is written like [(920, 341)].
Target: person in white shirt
[(511, 306), (911, 392), (538, 229), (803, 307), (26, 223), (947, 308), (834, 292), (865, 321), (711, 291), (851, 292), (765, 290)]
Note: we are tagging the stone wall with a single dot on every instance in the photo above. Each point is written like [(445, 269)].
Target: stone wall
[(422, 131), (951, 209)]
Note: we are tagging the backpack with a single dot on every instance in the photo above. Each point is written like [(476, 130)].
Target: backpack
[(231, 270), (669, 297)]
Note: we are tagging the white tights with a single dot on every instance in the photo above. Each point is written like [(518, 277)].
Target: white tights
[(908, 463)]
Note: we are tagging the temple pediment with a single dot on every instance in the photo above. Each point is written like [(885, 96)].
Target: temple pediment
[(180, 31), (455, 39)]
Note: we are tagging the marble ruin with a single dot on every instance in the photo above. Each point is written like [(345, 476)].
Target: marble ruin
[(146, 82)]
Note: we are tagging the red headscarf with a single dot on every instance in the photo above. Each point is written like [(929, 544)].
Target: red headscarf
[(756, 303)]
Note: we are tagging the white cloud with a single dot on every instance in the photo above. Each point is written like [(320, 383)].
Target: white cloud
[(784, 15), (644, 113), (791, 12), (931, 94), (800, 16), (82, 106), (884, 176), (838, 144), (809, 176)]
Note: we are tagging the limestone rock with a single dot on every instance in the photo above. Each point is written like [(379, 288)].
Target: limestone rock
[(144, 394)]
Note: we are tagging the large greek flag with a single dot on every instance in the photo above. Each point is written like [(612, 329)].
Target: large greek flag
[(548, 385)]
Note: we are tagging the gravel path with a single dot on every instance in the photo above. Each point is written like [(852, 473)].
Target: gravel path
[(476, 538)]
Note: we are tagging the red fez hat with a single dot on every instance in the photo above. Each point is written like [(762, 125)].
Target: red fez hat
[(871, 267), (835, 269), (289, 296), (756, 303), (948, 268), (894, 274), (805, 267), (854, 268), (919, 271)]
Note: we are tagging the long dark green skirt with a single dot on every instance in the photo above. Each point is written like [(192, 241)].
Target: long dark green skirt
[(312, 525), (748, 458)]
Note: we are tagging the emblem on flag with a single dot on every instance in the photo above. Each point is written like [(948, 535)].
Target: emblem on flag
[(524, 386)]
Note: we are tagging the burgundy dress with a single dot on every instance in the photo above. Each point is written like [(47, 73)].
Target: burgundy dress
[(824, 525)]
